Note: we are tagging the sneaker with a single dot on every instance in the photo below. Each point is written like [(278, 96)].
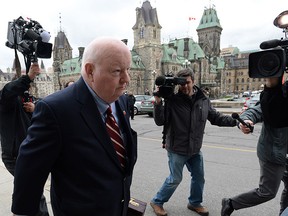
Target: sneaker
[(158, 209), (227, 208), (201, 210)]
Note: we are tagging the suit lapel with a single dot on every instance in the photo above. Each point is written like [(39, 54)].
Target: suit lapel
[(93, 119)]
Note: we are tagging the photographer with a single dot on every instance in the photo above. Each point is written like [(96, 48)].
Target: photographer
[(131, 102), (271, 147), (16, 108), (184, 117)]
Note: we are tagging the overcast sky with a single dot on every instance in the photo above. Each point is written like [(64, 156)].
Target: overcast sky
[(245, 23)]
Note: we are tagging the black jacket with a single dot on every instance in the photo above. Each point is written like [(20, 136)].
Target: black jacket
[(14, 121), (186, 119), (274, 105), (68, 138)]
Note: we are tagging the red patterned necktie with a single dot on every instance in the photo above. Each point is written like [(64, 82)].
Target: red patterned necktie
[(114, 132)]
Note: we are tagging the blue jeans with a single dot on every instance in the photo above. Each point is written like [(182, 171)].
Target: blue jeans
[(285, 213), (176, 163)]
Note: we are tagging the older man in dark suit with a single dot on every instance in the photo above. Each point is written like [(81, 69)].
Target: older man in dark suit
[(70, 137)]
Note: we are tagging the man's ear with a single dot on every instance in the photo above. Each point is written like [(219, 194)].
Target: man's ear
[(89, 70)]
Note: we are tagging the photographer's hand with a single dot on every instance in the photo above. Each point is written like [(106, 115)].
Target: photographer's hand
[(157, 98), (244, 128), (29, 107), (33, 71)]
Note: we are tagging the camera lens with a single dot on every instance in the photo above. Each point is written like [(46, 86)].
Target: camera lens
[(269, 64)]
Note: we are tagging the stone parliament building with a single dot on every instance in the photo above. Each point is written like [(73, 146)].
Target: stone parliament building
[(221, 72)]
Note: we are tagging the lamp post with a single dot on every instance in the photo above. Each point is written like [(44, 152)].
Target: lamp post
[(186, 63), (200, 72), (153, 74)]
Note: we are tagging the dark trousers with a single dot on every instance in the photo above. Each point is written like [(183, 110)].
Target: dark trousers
[(270, 179), (10, 163), (131, 108), (284, 195)]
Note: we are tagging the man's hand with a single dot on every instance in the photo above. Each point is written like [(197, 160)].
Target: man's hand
[(33, 71), (29, 107), (157, 99), (245, 129)]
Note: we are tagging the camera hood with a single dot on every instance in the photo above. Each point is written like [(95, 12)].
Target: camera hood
[(267, 63)]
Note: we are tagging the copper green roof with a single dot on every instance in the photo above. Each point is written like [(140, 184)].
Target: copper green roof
[(209, 19), (71, 66), (174, 51), (136, 62), (220, 63)]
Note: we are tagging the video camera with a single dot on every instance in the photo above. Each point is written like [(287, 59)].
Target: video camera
[(273, 61), (29, 38), (167, 85)]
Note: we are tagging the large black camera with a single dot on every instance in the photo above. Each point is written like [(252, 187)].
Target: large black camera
[(29, 38), (273, 60), (167, 85)]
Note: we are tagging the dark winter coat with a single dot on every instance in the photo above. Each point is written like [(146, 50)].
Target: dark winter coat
[(186, 119)]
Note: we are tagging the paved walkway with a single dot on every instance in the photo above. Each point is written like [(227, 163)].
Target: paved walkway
[(6, 189), (6, 180), (6, 183)]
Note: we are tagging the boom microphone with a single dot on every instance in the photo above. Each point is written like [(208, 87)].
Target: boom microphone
[(236, 116), (273, 43)]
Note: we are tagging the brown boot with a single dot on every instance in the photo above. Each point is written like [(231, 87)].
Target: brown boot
[(158, 209), (201, 210)]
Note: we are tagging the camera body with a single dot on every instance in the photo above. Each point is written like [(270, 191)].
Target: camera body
[(273, 60), (29, 38), (167, 85)]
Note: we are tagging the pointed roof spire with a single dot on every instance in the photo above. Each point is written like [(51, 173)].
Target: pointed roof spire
[(209, 18), (60, 21), (148, 14)]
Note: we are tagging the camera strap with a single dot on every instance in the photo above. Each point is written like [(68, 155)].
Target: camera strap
[(165, 123)]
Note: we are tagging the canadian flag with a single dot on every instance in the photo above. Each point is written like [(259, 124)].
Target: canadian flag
[(192, 18)]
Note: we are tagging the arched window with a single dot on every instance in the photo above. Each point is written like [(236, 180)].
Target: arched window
[(154, 34)]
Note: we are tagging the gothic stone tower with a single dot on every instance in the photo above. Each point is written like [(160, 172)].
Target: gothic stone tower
[(147, 42), (61, 51), (209, 32)]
